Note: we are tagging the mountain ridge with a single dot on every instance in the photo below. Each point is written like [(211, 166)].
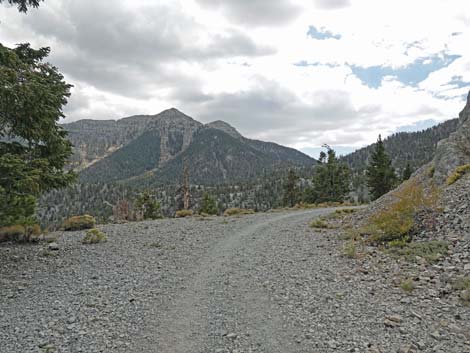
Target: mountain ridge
[(118, 150)]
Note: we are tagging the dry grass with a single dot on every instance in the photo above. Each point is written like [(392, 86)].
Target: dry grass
[(458, 173), (319, 224), (397, 221), (238, 211), (12, 232), (79, 223), (184, 213)]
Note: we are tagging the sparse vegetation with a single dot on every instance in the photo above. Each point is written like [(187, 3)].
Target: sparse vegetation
[(79, 223), (431, 171), (319, 223), (408, 285), (461, 283), (156, 245), (343, 211), (238, 211), (431, 250), (184, 213), (94, 236), (397, 221), (350, 249), (458, 173)]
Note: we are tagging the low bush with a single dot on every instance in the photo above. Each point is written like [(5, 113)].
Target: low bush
[(19, 232), (94, 236), (14, 232), (184, 213), (458, 173), (238, 211), (79, 223)]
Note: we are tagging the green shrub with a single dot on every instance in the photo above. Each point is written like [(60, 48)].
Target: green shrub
[(209, 205), (458, 173), (350, 249), (431, 171), (408, 285), (184, 213), (79, 223), (238, 211), (319, 223), (94, 236), (148, 206)]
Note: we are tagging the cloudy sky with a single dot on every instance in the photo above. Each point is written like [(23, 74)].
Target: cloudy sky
[(300, 73)]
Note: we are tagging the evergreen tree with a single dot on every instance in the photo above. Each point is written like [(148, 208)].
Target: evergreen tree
[(208, 205), (381, 176), (407, 172), (33, 147), (148, 205), (291, 190), (331, 179), (23, 4)]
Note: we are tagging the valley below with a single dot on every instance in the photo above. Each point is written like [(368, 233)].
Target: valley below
[(259, 283)]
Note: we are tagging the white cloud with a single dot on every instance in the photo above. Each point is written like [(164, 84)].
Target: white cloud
[(234, 61)]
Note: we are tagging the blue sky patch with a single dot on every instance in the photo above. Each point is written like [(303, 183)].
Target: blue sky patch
[(418, 126), (410, 75), (322, 33), (459, 82)]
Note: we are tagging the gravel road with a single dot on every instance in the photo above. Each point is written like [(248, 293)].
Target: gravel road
[(260, 283)]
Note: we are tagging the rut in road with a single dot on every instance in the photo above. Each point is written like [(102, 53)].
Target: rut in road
[(225, 304)]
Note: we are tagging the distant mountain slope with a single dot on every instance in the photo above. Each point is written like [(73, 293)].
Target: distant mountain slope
[(150, 150), (418, 148)]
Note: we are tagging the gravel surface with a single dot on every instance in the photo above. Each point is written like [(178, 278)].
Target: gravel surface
[(260, 283)]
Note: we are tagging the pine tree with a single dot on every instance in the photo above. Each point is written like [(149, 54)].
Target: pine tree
[(33, 147), (407, 172), (291, 190), (148, 206), (381, 176), (208, 205), (331, 179)]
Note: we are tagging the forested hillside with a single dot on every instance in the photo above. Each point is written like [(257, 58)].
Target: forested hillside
[(417, 148)]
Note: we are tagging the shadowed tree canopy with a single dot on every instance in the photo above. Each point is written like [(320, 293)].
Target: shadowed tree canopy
[(33, 147), (23, 5)]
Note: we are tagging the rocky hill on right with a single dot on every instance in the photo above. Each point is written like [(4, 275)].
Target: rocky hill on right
[(420, 232)]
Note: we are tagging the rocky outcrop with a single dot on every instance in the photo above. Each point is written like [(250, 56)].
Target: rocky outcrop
[(95, 140), (225, 127), (454, 151)]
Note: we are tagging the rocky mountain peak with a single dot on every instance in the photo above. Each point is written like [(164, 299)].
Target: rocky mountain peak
[(225, 127)]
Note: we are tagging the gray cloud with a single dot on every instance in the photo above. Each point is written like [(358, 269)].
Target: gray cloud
[(256, 12), (331, 4), (129, 51), (265, 112)]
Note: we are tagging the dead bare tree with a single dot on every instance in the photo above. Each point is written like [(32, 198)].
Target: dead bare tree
[(186, 188)]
